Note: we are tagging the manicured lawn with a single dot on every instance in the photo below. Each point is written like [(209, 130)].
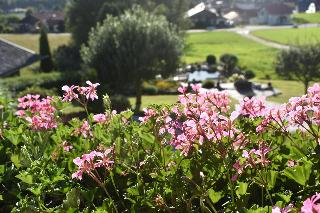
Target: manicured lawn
[(291, 36), (302, 18), (154, 99), (163, 99), (254, 56), (31, 41), (288, 88)]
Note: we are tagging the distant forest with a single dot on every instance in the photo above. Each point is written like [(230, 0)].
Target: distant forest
[(37, 4)]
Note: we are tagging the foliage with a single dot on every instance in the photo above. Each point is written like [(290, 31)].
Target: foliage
[(41, 5), (211, 60), (208, 84), (36, 90), (81, 15), (229, 63), (167, 86), (133, 47), (300, 63), (46, 80), (149, 89), (196, 155), (120, 103), (46, 64), (67, 58), (249, 74), (8, 23)]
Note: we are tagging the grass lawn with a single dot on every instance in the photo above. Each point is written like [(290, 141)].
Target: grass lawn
[(154, 99), (163, 99), (291, 36), (254, 56), (304, 18), (31, 41), (288, 88)]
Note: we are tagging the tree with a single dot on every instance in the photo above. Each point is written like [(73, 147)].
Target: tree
[(211, 60), (133, 47), (229, 63), (81, 16), (46, 64), (301, 63)]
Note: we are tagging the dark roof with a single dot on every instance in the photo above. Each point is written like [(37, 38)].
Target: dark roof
[(278, 9), (13, 57), (50, 15), (44, 16)]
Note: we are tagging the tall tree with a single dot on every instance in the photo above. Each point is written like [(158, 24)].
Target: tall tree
[(131, 48), (81, 16), (46, 64), (300, 63)]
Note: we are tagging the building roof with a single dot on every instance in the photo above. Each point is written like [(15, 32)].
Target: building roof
[(13, 57), (44, 16), (278, 9), (50, 15), (200, 8)]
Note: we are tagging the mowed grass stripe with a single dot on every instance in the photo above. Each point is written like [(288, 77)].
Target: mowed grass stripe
[(291, 36)]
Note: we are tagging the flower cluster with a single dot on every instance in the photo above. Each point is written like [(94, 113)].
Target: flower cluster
[(88, 163), (72, 93), (300, 112), (38, 112), (199, 118), (84, 130), (252, 159)]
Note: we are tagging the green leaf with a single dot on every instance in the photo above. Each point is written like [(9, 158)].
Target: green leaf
[(2, 169), (242, 189), (15, 160), (214, 196), (72, 199), (36, 190), (133, 191), (300, 174), (25, 177), (272, 178)]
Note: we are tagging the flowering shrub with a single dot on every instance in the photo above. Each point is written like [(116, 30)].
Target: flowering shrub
[(194, 156)]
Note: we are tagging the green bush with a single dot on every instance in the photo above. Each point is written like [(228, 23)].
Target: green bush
[(208, 84), (46, 80), (120, 103), (249, 74), (150, 90), (67, 58), (165, 85), (36, 90)]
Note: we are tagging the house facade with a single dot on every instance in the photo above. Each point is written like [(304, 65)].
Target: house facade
[(204, 17), (274, 14)]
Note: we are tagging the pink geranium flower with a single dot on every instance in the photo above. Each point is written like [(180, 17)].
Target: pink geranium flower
[(310, 205)]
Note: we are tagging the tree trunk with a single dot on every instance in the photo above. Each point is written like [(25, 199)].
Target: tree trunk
[(306, 86), (138, 95)]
